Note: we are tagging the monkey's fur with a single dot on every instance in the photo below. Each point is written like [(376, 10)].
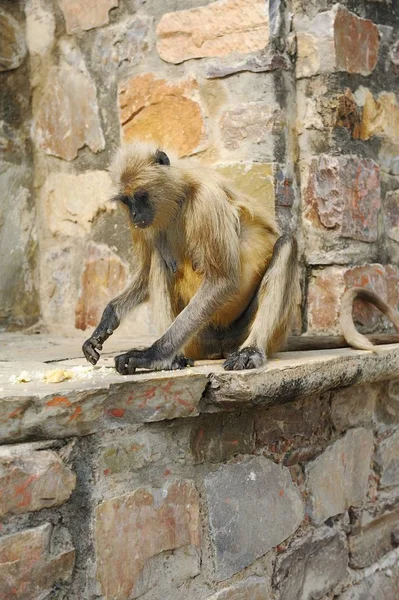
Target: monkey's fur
[(221, 279)]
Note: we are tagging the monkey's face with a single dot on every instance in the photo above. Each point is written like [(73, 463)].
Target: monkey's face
[(141, 211)]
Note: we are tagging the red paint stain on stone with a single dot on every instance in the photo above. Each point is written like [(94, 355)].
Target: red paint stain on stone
[(167, 472), (17, 412), (58, 401), (116, 412), (76, 413), (281, 493), (107, 471), (23, 491)]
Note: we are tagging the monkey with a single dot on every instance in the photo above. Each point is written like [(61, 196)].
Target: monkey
[(222, 280)]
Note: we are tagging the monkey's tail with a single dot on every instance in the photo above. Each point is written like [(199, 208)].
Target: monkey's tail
[(353, 337)]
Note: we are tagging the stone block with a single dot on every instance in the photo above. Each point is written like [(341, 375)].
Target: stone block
[(253, 588), (253, 179), (12, 42), (31, 480), (381, 585), (380, 115), (40, 27), (387, 410), (253, 506), (387, 459), (391, 215), (28, 570), (223, 436), (250, 123), (313, 566), (82, 16), (132, 529), (66, 118), (133, 451), (216, 29), (104, 276), (159, 110), (372, 541), (353, 406), (299, 419), (336, 40), (338, 478)]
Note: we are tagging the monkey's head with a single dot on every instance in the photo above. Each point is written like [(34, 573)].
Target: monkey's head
[(147, 185)]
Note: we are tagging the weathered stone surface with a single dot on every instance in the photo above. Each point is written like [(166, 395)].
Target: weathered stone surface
[(32, 480), (160, 110), (287, 421), (132, 451), (12, 42), (127, 41), (133, 528), (18, 293), (336, 40), (371, 542), (343, 195), (353, 407), (216, 29), (66, 118), (255, 62), (387, 459), (338, 478), (250, 122), (313, 566), (380, 116), (391, 215), (71, 202), (81, 16), (328, 285), (382, 585), (222, 437), (253, 179), (387, 410), (253, 506), (27, 569), (104, 276), (253, 588), (40, 27)]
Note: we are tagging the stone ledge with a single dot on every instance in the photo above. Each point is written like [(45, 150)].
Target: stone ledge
[(101, 399)]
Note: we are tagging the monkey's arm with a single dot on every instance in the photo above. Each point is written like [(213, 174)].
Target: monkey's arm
[(132, 296)]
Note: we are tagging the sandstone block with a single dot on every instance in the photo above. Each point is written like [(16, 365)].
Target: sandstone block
[(217, 29), (27, 568), (371, 542), (313, 566), (336, 40), (32, 480), (253, 588), (12, 42), (353, 407), (159, 110), (253, 506), (251, 122), (81, 16), (254, 179), (104, 276), (66, 118), (380, 115), (40, 27), (132, 529), (338, 478), (388, 460), (222, 437)]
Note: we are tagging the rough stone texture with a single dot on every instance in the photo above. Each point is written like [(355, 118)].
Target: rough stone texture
[(387, 459), (254, 179), (343, 195), (12, 42), (338, 478), (40, 27), (71, 202), (287, 421), (336, 40), (391, 215), (382, 585), (328, 285), (27, 569), (253, 588), (371, 542), (217, 29), (18, 293), (223, 436), (133, 528), (126, 42), (32, 480), (313, 566), (380, 116), (104, 276), (67, 116), (255, 62), (251, 122), (253, 506), (159, 110), (81, 16), (353, 407), (387, 410)]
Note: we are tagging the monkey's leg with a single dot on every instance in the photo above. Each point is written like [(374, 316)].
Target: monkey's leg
[(113, 314), (277, 297)]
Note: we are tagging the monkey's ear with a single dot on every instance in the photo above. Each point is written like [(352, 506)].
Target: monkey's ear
[(161, 158)]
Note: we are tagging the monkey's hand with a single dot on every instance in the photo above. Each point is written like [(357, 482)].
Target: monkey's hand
[(126, 364), (92, 347)]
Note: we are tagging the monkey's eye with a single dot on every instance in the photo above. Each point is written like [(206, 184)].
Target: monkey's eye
[(161, 158), (123, 199)]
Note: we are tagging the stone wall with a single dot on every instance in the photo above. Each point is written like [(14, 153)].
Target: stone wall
[(295, 501), (294, 101)]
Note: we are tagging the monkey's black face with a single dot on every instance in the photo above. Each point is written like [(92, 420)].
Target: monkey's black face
[(140, 208)]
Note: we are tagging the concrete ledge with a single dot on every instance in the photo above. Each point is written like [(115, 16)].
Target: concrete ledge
[(100, 399)]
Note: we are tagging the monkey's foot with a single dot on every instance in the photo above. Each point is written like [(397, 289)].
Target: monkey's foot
[(91, 349), (126, 364), (246, 358)]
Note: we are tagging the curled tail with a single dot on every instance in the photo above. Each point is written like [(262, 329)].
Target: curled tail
[(278, 297), (353, 337)]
